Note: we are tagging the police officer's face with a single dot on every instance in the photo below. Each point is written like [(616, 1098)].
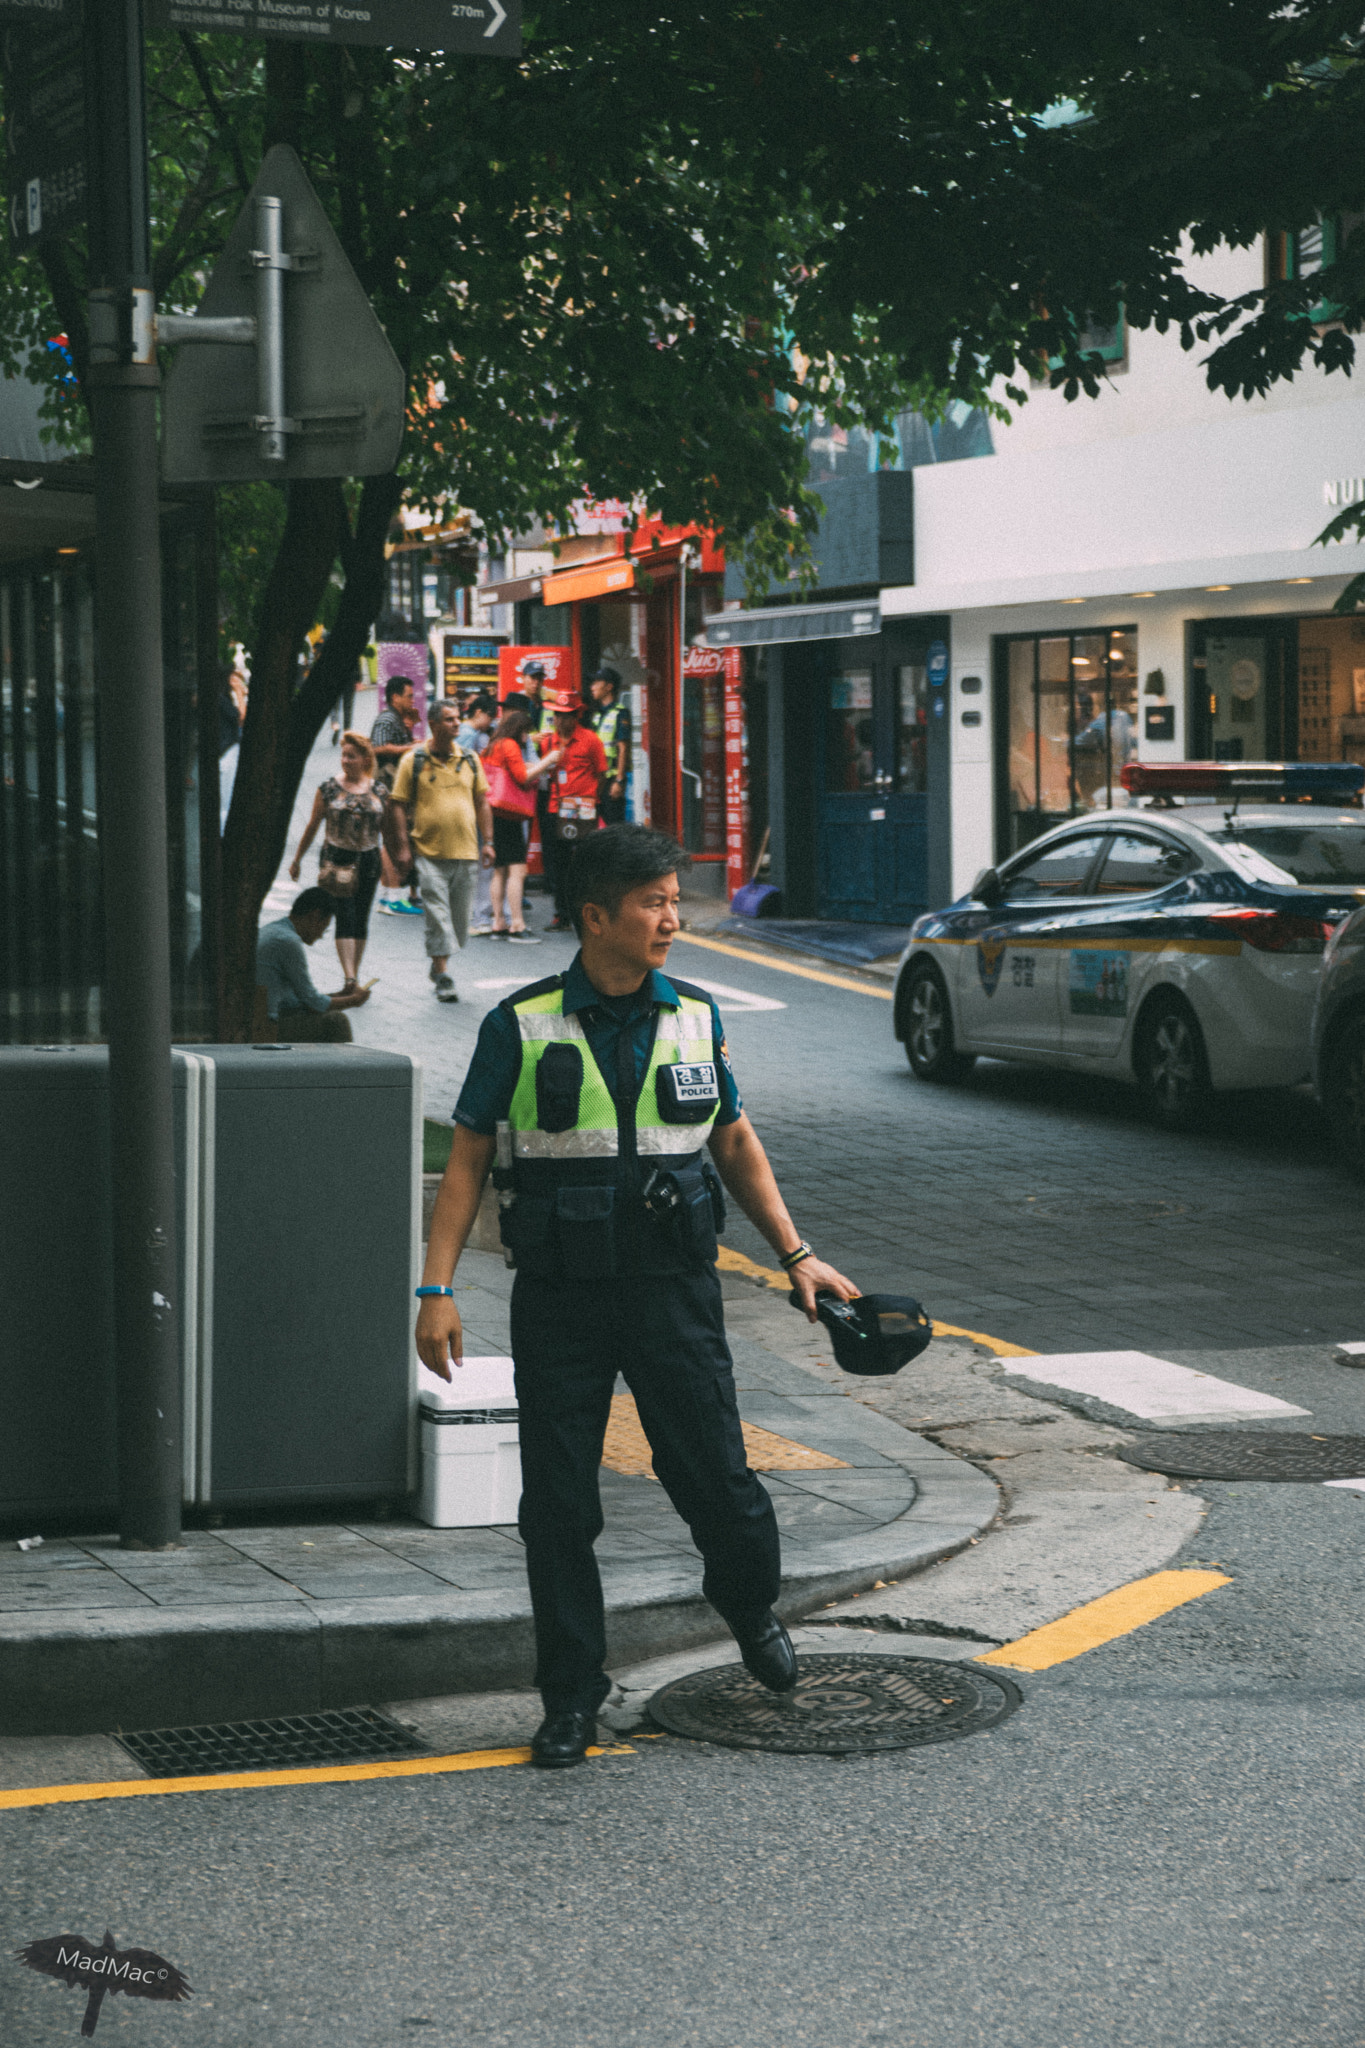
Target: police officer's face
[(643, 929)]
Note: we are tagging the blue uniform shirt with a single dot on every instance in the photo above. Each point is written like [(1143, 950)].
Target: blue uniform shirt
[(486, 1097)]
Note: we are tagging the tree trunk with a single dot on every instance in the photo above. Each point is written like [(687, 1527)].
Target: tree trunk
[(283, 716)]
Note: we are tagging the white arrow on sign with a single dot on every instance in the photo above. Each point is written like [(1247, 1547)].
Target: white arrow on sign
[(499, 17)]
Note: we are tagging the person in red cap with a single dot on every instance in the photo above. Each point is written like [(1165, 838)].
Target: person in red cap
[(573, 793)]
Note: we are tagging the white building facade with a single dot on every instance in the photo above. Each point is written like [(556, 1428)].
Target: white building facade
[(1136, 576)]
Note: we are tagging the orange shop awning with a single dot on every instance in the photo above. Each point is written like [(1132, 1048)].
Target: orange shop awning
[(596, 579)]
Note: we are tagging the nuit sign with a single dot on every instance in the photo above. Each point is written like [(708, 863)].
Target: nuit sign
[(486, 28)]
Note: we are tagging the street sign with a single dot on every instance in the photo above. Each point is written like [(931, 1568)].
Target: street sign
[(484, 28), (44, 122), (320, 393)]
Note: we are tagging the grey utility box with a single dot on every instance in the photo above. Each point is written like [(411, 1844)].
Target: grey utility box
[(298, 1222)]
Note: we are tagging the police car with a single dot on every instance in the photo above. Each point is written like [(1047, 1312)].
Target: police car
[(1175, 944)]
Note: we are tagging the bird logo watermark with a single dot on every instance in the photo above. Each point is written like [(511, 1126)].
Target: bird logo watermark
[(101, 1968)]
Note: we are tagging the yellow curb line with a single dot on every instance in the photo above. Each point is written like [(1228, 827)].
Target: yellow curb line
[(786, 967), (739, 1262), (244, 1781), (1104, 1620)]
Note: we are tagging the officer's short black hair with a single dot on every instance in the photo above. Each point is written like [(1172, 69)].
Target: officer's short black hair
[(311, 900), (607, 865)]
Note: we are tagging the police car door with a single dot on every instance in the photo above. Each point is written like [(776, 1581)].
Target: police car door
[(1009, 994), (1115, 946)]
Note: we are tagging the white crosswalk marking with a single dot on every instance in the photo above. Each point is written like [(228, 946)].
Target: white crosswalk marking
[(1153, 1389), (734, 998)]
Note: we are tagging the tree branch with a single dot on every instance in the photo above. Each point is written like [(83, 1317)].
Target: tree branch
[(226, 134)]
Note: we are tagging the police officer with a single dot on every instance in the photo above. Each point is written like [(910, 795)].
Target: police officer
[(616, 1084), (611, 723)]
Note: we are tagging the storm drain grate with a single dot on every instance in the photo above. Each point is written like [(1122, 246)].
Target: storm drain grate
[(348, 1735), (1248, 1454), (841, 1706)]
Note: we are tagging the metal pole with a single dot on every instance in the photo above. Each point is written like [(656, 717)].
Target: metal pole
[(268, 256), (132, 748)]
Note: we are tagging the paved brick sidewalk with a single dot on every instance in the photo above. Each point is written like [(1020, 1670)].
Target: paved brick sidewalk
[(265, 1620)]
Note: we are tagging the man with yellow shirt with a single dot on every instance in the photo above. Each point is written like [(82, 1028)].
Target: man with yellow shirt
[(445, 820)]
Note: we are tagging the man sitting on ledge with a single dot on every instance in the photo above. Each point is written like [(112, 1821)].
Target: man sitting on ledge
[(300, 1011)]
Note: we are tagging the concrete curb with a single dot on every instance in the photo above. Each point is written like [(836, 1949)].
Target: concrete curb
[(94, 1670)]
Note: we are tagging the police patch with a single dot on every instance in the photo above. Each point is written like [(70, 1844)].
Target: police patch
[(990, 959)]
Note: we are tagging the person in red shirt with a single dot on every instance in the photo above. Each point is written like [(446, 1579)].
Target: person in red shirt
[(573, 793)]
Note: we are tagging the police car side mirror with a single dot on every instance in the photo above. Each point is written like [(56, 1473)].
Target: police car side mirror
[(988, 888)]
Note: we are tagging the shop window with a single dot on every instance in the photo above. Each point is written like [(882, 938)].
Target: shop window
[(850, 737), (1331, 689), (1107, 339), (1070, 721), (912, 729)]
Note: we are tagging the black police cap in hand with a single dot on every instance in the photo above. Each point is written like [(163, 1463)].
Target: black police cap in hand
[(874, 1334)]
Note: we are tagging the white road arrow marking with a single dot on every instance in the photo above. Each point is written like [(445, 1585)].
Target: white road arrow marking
[(499, 17)]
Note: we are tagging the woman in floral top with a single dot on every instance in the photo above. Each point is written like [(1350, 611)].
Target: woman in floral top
[(354, 813)]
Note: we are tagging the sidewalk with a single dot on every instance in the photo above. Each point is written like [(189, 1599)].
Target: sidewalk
[(244, 1623)]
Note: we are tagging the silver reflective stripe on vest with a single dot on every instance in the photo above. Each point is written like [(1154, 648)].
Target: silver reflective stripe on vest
[(539, 1025), (668, 1138), (564, 1144)]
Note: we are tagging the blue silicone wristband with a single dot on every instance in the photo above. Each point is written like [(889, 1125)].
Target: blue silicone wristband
[(435, 1290)]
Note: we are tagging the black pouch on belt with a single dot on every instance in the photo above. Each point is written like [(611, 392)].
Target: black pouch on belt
[(695, 1215), (585, 1224)]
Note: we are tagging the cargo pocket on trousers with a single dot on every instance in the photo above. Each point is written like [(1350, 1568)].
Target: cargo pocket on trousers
[(585, 1222)]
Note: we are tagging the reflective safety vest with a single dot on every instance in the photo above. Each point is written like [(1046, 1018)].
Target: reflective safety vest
[(607, 726), (602, 1188)]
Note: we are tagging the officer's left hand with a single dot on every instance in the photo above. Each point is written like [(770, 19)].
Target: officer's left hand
[(814, 1277)]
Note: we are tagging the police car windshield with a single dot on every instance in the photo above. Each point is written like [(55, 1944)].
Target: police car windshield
[(1319, 853)]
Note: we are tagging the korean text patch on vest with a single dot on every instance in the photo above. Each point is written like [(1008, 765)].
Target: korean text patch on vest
[(688, 1094)]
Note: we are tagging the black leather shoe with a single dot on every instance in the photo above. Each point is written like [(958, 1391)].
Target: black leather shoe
[(562, 1739), (768, 1654)]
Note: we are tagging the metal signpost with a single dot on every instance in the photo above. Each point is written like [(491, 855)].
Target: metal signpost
[(44, 118), (487, 28), (276, 428), (298, 378)]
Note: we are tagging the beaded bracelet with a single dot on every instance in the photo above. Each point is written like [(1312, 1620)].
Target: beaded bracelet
[(435, 1290)]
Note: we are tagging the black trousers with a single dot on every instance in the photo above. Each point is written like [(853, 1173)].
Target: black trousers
[(666, 1336)]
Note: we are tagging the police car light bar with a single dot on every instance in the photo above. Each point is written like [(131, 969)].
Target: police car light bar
[(1327, 781)]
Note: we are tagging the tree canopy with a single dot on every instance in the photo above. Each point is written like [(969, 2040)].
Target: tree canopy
[(599, 265)]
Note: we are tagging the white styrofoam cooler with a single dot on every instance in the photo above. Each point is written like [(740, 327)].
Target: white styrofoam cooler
[(471, 1462)]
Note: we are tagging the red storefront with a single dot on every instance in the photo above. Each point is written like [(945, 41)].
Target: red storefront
[(640, 601)]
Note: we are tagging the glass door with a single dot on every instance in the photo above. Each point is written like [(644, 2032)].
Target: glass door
[(1067, 716), (872, 762), (1244, 700)]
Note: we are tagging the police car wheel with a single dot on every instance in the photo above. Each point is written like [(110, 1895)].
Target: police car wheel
[(1171, 1064), (928, 1028), (1343, 1096)]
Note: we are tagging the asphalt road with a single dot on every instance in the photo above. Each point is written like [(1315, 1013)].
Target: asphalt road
[(1162, 1846)]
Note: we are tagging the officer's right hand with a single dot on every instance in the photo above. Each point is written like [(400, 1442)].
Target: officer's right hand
[(440, 1339)]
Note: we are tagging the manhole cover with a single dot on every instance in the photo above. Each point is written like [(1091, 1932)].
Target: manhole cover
[(348, 1735), (1248, 1454), (840, 1706)]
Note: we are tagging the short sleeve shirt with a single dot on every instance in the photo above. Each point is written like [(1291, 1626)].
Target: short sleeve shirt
[(282, 966), (445, 822), (580, 769), (486, 1097)]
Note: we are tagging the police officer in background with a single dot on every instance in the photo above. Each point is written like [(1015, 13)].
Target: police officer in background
[(616, 1084), (611, 723)]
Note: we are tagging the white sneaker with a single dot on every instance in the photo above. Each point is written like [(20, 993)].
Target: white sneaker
[(480, 931), (445, 990)]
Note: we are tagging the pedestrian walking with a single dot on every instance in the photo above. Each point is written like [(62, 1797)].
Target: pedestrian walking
[(473, 735), (611, 723), (512, 786), (392, 735), (614, 1085), (444, 816), (350, 809), (294, 1004), (571, 808)]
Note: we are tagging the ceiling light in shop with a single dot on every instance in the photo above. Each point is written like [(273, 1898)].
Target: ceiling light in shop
[(1217, 586), (1073, 600), (1143, 593), (1298, 579)]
